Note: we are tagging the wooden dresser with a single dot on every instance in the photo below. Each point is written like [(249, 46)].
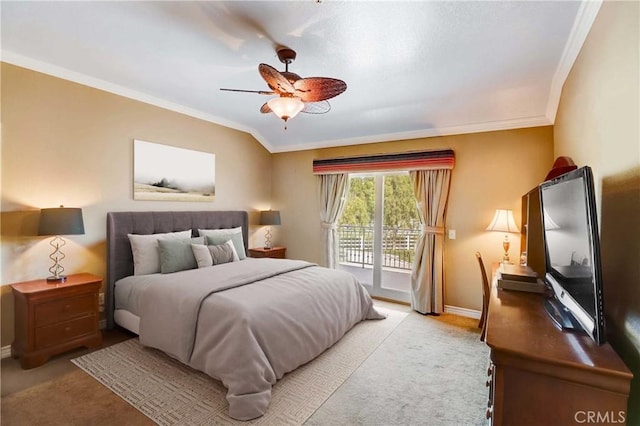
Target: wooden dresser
[(540, 375), (53, 318)]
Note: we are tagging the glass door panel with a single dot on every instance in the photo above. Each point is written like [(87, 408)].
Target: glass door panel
[(355, 231), (377, 233), (400, 230)]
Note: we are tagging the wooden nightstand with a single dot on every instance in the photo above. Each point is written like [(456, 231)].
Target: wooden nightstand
[(274, 252), (54, 318)]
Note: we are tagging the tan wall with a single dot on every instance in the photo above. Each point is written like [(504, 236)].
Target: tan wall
[(598, 125), (64, 143), (597, 121), (493, 170)]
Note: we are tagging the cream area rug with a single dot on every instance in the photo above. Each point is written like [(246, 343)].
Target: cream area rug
[(170, 393)]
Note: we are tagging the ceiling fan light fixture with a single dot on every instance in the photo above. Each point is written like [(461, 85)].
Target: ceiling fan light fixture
[(294, 94), (286, 107)]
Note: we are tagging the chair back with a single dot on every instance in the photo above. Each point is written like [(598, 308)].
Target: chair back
[(485, 296)]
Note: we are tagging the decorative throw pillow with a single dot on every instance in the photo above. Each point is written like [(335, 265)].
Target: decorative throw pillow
[(146, 257), (214, 255), (176, 255), (221, 254), (219, 236)]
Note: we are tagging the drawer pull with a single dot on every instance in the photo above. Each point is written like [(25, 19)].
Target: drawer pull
[(488, 383), (67, 329), (67, 307)]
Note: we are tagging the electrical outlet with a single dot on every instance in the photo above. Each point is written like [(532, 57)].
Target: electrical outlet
[(101, 299), (452, 234)]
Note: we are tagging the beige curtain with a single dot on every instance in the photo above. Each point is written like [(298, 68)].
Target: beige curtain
[(431, 188), (332, 195)]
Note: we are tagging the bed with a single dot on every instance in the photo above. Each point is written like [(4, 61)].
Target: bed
[(246, 322)]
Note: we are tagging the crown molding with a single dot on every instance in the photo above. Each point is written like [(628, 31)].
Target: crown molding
[(66, 74), (490, 126), (582, 25)]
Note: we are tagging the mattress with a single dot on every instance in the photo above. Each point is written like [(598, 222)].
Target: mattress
[(127, 303), (127, 320), (127, 294)]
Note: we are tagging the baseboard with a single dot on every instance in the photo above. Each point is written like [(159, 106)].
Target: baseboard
[(463, 312), (386, 299), (5, 352)]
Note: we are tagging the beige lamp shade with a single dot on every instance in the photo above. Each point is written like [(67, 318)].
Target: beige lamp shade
[(503, 221)]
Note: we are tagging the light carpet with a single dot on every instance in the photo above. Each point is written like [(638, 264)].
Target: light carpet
[(171, 393), (431, 371)]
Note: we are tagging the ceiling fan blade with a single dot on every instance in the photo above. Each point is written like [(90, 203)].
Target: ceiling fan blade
[(321, 107), (260, 92), (314, 89), (276, 81), (265, 109)]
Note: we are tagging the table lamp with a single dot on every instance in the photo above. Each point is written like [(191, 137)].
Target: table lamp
[(503, 222), (59, 221), (269, 217)]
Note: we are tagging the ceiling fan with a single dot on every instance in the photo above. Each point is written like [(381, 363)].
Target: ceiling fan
[(295, 94)]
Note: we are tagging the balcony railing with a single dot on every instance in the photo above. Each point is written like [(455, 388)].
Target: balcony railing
[(398, 246)]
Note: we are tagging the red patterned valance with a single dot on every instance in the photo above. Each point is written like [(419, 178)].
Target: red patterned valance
[(416, 160)]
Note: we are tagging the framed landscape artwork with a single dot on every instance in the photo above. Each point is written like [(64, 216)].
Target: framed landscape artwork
[(168, 173)]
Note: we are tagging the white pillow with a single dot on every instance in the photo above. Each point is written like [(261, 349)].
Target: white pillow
[(203, 255), (146, 255), (220, 236)]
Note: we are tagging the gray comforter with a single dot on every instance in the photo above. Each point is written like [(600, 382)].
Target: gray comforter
[(248, 323)]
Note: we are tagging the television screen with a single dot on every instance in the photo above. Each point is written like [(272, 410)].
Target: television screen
[(572, 252)]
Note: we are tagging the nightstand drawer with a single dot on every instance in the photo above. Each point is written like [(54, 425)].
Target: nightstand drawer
[(63, 309), (56, 333)]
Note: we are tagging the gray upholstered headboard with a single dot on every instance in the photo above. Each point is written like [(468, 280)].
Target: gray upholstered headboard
[(119, 224)]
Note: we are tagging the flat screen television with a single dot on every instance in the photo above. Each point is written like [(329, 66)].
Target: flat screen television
[(572, 252)]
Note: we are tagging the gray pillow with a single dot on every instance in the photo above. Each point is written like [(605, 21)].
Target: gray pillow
[(221, 254), (219, 236), (176, 255), (204, 257)]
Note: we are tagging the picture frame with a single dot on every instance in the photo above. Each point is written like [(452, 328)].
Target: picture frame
[(169, 173)]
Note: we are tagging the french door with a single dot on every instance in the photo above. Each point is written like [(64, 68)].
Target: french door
[(377, 232)]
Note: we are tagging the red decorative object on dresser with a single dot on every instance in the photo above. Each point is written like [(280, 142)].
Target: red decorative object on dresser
[(561, 166)]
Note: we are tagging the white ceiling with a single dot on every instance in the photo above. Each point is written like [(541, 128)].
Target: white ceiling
[(413, 69)]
